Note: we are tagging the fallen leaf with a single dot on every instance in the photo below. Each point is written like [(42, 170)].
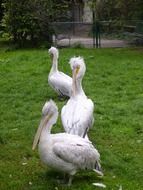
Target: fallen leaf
[(24, 163), (99, 185), (30, 183)]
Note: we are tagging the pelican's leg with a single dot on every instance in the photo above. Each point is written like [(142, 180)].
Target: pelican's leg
[(62, 180), (70, 180), (65, 177)]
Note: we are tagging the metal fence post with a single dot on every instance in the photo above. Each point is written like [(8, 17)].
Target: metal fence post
[(97, 34), (96, 31), (93, 28)]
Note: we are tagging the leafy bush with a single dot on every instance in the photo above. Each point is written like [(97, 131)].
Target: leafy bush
[(28, 20)]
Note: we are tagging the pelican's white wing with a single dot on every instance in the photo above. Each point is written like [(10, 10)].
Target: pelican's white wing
[(66, 76), (80, 153), (77, 116), (61, 83), (68, 138)]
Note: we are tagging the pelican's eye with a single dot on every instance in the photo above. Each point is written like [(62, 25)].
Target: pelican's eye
[(77, 69)]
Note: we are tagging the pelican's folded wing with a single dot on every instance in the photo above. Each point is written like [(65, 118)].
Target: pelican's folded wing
[(60, 84), (81, 154)]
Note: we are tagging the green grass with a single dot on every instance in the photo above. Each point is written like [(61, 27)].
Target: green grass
[(113, 80)]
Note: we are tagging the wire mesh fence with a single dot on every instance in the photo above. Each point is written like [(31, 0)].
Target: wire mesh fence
[(105, 34)]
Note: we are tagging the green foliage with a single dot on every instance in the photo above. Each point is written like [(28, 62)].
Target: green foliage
[(113, 80), (1, 10), (20, 20), (122, 10), (28, 20)]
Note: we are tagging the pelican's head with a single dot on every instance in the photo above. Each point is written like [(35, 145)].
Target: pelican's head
[(54, 52), (78, 67), (49, 108), (49, 117)]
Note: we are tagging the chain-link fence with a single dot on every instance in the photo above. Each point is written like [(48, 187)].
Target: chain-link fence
[(98, 34)]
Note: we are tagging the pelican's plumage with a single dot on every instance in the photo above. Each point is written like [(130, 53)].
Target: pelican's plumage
[(77, 114), (64, 152), (59, 81)]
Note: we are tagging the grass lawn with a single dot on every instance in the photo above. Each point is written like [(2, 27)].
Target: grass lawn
[(113, 80)]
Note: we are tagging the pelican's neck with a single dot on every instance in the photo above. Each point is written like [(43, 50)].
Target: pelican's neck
[(54, 64), (77, 85), (46, 131)]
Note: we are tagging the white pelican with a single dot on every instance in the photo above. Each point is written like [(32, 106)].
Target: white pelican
[(64, 152), (77, 114), (59, 81)]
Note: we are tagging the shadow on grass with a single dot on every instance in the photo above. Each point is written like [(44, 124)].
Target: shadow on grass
[(58, 178)]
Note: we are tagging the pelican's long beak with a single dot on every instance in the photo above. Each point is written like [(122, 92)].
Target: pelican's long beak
[(39, 130), (75, 72)]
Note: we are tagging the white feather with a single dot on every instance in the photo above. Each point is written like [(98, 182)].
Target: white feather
[(65, 152), (49, 106), (59, 81), (99, 185), (77, 114), (54, 51)]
